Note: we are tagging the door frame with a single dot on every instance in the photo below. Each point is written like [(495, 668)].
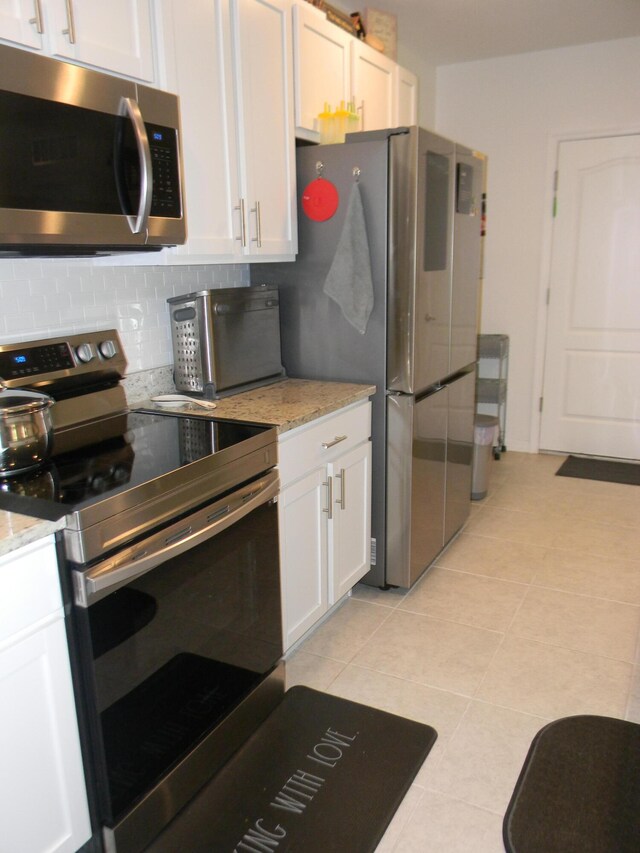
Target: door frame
[(553, 153)]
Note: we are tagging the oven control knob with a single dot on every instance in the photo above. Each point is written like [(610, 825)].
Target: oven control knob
[(107, 349), (85, 353)]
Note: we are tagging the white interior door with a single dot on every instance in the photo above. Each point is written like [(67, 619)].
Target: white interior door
[(591, 394)]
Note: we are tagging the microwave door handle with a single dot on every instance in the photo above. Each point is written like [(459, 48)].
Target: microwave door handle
[(130, 108), (106, 578)]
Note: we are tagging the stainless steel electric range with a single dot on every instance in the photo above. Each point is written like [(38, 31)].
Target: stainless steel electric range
[(171, 561)]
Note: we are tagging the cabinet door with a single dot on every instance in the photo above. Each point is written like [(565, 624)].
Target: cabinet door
[(321, 64), (350, 531), (264, 79), (372, 82), (406, 98), (303, 549), (115, 36), (43, 804), (201, 28), (19, 22)]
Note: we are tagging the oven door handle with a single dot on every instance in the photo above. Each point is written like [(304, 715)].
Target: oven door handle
[(106, 577)]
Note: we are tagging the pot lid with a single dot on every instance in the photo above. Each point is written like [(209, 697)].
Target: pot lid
[(18, 402)]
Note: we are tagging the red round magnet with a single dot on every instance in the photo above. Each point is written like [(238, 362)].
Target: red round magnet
[(320, 200)]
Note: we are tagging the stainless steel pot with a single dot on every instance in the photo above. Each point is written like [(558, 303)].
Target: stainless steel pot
[(26, 431)]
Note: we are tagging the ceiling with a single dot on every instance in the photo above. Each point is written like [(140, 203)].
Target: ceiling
[(443, 32)]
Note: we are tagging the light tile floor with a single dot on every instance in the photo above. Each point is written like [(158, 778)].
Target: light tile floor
[(531, 614)]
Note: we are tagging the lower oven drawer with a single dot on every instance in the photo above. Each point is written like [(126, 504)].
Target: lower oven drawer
[(173, 647)]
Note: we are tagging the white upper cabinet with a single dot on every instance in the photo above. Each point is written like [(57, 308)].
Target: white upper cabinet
[(331, 66), (230, 63), (373, 84), (114, 36), (322, 73), (264, 80), (209, 148), (19, 22), (406, 97)]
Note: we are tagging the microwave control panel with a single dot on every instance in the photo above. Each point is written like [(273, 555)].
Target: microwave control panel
[(163, 143)]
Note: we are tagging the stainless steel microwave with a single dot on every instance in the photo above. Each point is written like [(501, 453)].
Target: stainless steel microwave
[(91, 163)]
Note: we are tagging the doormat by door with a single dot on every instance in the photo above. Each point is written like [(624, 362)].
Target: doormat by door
[(320, 774), (600, 469), (579, 789)]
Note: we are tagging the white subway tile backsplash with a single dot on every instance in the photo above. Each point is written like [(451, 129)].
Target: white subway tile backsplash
[(45, 298)]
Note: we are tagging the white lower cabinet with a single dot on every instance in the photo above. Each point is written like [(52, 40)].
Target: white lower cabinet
[(43, 800), (324, 515)]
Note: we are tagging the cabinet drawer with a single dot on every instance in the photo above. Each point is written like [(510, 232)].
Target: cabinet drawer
[(29, 587), (302, 449)]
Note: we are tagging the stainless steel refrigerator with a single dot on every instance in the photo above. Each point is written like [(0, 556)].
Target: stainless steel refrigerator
[(421, 201)]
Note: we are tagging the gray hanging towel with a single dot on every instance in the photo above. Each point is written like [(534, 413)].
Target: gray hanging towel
[(349, 282)]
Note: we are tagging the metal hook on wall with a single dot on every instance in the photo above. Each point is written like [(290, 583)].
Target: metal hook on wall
[(356, 173), (319, 168)]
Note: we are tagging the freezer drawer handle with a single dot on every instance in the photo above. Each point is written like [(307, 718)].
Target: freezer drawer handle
[(343, 489), (336, 440)]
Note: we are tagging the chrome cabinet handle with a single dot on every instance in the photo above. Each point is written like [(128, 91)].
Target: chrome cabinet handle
[(258, 238), (37, 20), (336, 440), (343, 489), (329, 508), (243, 227), (130, 108), (71, 24)]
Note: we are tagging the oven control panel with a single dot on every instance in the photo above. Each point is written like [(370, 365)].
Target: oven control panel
[(44, 361), (27, 361)]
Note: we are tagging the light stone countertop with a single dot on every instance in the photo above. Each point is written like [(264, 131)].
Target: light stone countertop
[(17, 530), (285, 404)]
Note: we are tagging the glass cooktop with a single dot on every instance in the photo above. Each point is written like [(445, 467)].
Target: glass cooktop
[(114, 455)]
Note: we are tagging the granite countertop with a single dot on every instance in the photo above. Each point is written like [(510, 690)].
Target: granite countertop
[(17, 530), (285, 405)]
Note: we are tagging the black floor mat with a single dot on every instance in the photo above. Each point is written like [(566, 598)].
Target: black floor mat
[(320, 774), (600, 469), (579, 790)]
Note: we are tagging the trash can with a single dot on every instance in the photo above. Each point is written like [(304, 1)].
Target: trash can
[(485, 431)]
